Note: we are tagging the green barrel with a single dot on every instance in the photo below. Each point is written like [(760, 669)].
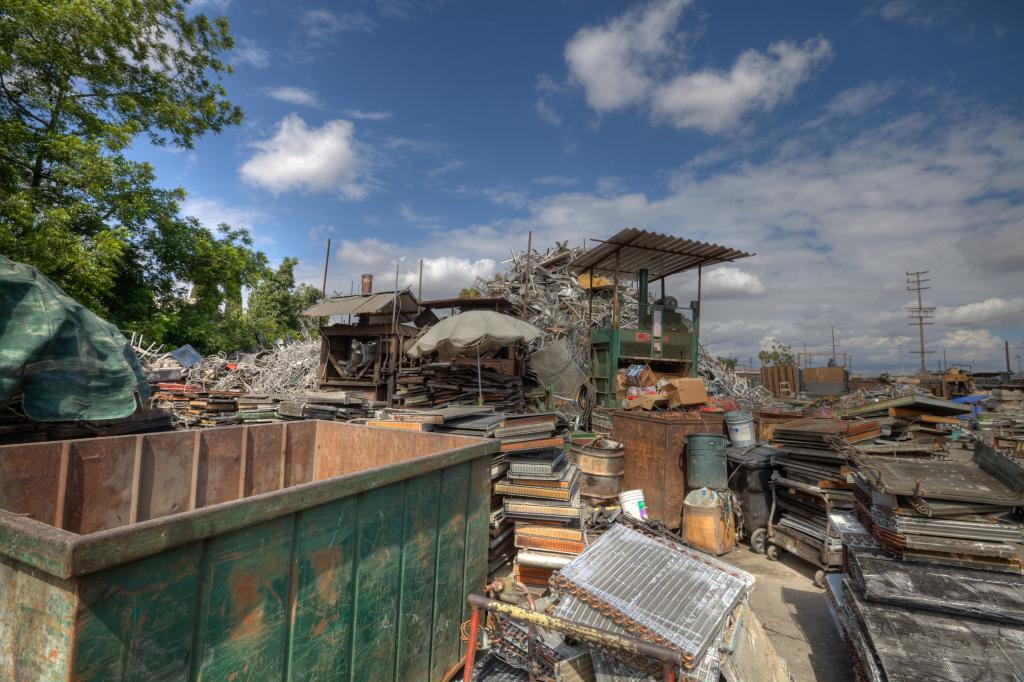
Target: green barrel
[(706, 461)]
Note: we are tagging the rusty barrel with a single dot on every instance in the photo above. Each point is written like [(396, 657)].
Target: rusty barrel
[(601, 463)]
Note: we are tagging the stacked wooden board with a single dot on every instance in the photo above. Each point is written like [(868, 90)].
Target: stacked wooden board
[(438, 384)]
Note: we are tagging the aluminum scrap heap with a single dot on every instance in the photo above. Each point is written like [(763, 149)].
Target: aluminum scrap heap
[(551, 297), (285, 368)]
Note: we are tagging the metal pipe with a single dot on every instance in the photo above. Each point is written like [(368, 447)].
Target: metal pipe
[(590, 300), (641, 297), (474, 627), (622, 643)]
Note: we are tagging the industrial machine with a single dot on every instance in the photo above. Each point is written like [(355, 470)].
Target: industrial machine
[(664, 336)]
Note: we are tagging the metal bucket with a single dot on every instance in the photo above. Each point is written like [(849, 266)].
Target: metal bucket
[(741, 428), (706, 465), (601, 464)]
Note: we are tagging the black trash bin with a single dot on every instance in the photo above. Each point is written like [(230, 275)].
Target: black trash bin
[(750, 473)]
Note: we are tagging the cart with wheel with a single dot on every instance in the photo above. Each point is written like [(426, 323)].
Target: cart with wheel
[(804, 528)]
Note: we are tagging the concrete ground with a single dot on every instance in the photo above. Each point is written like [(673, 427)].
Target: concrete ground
[(795, 615)]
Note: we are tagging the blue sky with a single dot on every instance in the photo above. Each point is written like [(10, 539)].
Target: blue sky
[(844, 143)]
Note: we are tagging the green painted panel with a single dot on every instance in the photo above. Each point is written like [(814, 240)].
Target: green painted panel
[(478, 507), (36, 613), (135, 621), (378, 578), (321, 632), (242, 610), (448, 589), (419, 556)]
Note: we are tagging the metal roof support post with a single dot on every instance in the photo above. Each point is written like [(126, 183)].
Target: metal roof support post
[(590, 299), (615, 300), (695, 351)]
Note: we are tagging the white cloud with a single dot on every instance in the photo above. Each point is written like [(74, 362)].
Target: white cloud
[(858, 100), (627, 61), (544, 107), (323, 24), (299, 157), (416, 219), (212, 212), (359, 114), (994, 310), (555, 181), (714, 101), (246, 51), (318, 232), (293, 95), (613, 61), (449, 167), (726, 282), (914, 12)]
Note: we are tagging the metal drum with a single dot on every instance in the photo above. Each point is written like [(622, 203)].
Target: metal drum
[(601, 464), (706, 461)]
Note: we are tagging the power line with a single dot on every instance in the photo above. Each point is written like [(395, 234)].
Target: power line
[(920, 315)]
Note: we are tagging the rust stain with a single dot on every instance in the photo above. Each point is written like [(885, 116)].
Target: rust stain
[(319, 628), (325, 562), (247, 611)]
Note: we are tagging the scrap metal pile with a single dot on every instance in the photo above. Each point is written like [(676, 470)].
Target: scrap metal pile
[(934, 576), (554, 299), (633, 584)]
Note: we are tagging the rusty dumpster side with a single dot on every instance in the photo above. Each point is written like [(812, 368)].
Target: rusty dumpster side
[(298, 551), (655, 445)]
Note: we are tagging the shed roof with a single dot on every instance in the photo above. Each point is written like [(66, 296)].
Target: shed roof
[(359, 304), (662, 255)]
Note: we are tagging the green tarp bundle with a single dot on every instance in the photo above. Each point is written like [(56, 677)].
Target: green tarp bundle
[(67, 363)]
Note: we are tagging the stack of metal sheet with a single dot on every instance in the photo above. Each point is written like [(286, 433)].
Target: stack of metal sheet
[(933, 582), (812, 482), (629, 583)]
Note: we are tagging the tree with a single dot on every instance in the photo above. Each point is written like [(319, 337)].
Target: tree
[(728, 363), (776, 354), (79, 82)]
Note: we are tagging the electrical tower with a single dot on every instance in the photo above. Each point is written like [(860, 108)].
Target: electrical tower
[(920, 315)]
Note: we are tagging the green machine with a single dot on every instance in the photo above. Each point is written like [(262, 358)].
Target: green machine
[(663, 335)]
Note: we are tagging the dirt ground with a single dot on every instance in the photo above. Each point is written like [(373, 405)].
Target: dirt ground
[(795, 614)]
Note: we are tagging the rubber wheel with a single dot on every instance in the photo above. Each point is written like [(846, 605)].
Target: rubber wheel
[(759, 540), (819, 579), (772, 552)]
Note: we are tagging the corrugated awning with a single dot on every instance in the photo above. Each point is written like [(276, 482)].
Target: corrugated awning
[(372, 304), (661, 254)]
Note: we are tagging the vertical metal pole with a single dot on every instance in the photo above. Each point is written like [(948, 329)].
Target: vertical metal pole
[(396, 342), (327, 260), (419, 292), (695, 353), (662, 288), (474, 627), (590, 299), (1006, 346), (833, 345), (615, 301), (529, 276)]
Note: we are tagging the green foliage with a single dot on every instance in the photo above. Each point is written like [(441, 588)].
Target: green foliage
[(777, 354), (469, 293), (728, 363), (79, 82)]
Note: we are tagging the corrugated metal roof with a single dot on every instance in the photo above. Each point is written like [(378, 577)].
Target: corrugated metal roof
[(372, 304), (661, 254)]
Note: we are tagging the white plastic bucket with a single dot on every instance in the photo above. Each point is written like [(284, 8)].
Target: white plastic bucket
[(741, 428), (632, 503)]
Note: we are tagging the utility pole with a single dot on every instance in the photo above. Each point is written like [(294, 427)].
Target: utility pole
[(944, 365), (1006, 347), (919, 315), (833, 345)]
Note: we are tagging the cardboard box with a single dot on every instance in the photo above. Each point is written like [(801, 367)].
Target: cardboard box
[(687, 391)]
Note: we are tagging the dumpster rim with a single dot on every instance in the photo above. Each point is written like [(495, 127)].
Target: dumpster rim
[(64, 554)]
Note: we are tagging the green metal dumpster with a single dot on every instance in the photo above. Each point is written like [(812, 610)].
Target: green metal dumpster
[(300, 551)]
